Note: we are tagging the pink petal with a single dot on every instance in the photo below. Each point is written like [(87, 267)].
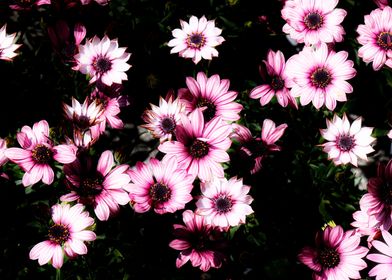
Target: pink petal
[(105, 162)]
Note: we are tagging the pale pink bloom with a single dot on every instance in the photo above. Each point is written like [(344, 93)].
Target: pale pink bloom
[(3, 148), (102, 186), (366, 225), (200, 148), (375, 36), (224, 203), (37, 153), (100, 2), (163, 186), (7, 44), (162, 120), (383, 258), (381, 3), (313, 22), (103, 61), (67, 235), (27, 4), (275, 65), (337, 255), (320, 75), (197, 242), (196, 39), (347, 142), (213, 95)]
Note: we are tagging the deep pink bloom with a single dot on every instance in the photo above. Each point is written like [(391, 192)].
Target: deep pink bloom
[(320, 75), (275, 65), (347, 142), (312, 22), (66, 235), (27, 5), (197, 242), (213, 95), (337, 255), (375, 36), (7, 44), (200, 148), (99, 186), (162, 186), (383, 269), (37, 153)]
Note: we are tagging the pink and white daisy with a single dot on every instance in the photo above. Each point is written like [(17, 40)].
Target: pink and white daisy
[(200, 148), (337, 255), (320, 75), (163, 186), (275, 65), (196, 39), (383, 258), (7, 44), (67, 235), (197, 242), (102, 186), (37, 153), (347, 142), (213, 95), (313, 22), (375, 36), (3, 148), (162, 120), (224, 203), (27, 4), (103, 61)]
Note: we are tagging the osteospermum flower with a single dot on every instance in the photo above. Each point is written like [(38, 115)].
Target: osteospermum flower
[(312, 22), (337, 255), (66, 235), (27, 4), (197, 242), (224, 203), (366, 225), (213, 95), (375, 36), (275, 65), (163, 186), (196, 39), (347, 142), (7, 45), (103, 61), (200, 148), (37, 153), (320, 76), (383, 258)]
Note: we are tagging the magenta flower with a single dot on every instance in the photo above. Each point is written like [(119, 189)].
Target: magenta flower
[(7, 44), (383, 269), (213, 95), (275, 65), (100, 186), (103, 61), (27, 5), (375, 36), (313, 22), (196, 39), (197, 242), (162, 186), (67, 235), (37, 153), (200, 148), (337, 255), (320, 76), (224, 203), (347, 142)]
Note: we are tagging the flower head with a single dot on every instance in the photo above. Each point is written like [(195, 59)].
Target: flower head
[(196, 39), (7, 44), (383, 258)]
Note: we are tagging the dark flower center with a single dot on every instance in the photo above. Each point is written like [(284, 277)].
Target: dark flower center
[(160, 193), (277, 83), (223, 204), (59, 234), (196, 40), (41, 154), (320, 78), (199, 149), (313, 20), (168, 124), (102, 65), (210, 109), (385, 192), (90, 185), (384, 40), (82, 122), (328, 258), (345, 142)]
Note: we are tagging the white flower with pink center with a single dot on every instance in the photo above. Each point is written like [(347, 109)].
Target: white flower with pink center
[(67, 234), (7, 45), (37, 153)]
